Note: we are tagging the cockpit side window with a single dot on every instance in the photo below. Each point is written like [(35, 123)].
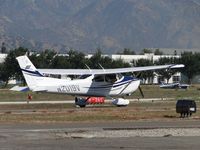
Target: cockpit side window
[(99, 78), (110, 78)]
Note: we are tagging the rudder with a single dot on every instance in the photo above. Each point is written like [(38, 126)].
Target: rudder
[(29, 71)]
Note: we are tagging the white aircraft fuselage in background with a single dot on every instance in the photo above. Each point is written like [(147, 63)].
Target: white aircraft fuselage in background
[(173, 86)]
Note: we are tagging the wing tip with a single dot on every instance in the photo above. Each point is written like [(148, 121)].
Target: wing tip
[(178, 66)]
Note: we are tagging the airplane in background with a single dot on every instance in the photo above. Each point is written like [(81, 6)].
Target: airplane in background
[(92, 82), (173, 85)]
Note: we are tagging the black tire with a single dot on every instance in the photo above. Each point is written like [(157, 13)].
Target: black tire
[(76, 99), (82, 106)]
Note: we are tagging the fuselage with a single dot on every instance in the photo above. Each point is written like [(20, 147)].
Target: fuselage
[(169, 86), (92, 86)]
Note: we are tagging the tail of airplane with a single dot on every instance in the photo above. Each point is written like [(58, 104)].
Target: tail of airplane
[(36, 81), (29, 71)]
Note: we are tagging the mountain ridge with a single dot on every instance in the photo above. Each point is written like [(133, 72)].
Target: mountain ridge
[(107, 24)]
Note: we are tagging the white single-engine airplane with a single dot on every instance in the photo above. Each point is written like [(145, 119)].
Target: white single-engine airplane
[(95, 82), (173, 85)]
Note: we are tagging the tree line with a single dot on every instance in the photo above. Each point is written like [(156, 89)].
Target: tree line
[(9, 69)]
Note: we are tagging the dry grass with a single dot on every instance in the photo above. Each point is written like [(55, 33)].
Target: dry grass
[(154, 91), (69, 113)]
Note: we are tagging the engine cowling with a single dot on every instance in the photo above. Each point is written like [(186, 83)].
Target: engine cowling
[(120, 102)]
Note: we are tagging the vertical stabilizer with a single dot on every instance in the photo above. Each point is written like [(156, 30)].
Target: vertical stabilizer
[(29, 71)]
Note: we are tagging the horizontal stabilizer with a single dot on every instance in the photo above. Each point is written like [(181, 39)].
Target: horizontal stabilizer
[(20, 88)]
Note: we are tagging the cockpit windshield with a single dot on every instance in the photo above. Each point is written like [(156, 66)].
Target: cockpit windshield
[(110, 78), (119, 76)]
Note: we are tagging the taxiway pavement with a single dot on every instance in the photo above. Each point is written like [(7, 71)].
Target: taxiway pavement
[(147, 134)]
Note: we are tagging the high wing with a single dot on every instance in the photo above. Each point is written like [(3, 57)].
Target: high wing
[(106, 71)]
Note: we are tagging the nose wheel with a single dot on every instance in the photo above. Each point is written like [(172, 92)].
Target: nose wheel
[(119, 102)]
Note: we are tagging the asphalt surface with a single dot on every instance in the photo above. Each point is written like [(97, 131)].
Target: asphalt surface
[(151, 134)]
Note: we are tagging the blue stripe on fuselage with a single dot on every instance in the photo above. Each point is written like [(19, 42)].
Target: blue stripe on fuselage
[(125, 80)]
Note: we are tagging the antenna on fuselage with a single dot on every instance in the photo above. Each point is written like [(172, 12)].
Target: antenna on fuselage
[(88, 68), (101, 67)]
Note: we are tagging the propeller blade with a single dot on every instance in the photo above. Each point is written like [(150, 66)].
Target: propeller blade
[(141, 92)]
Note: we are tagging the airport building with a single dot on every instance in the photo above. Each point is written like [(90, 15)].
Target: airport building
[(2, 57)]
